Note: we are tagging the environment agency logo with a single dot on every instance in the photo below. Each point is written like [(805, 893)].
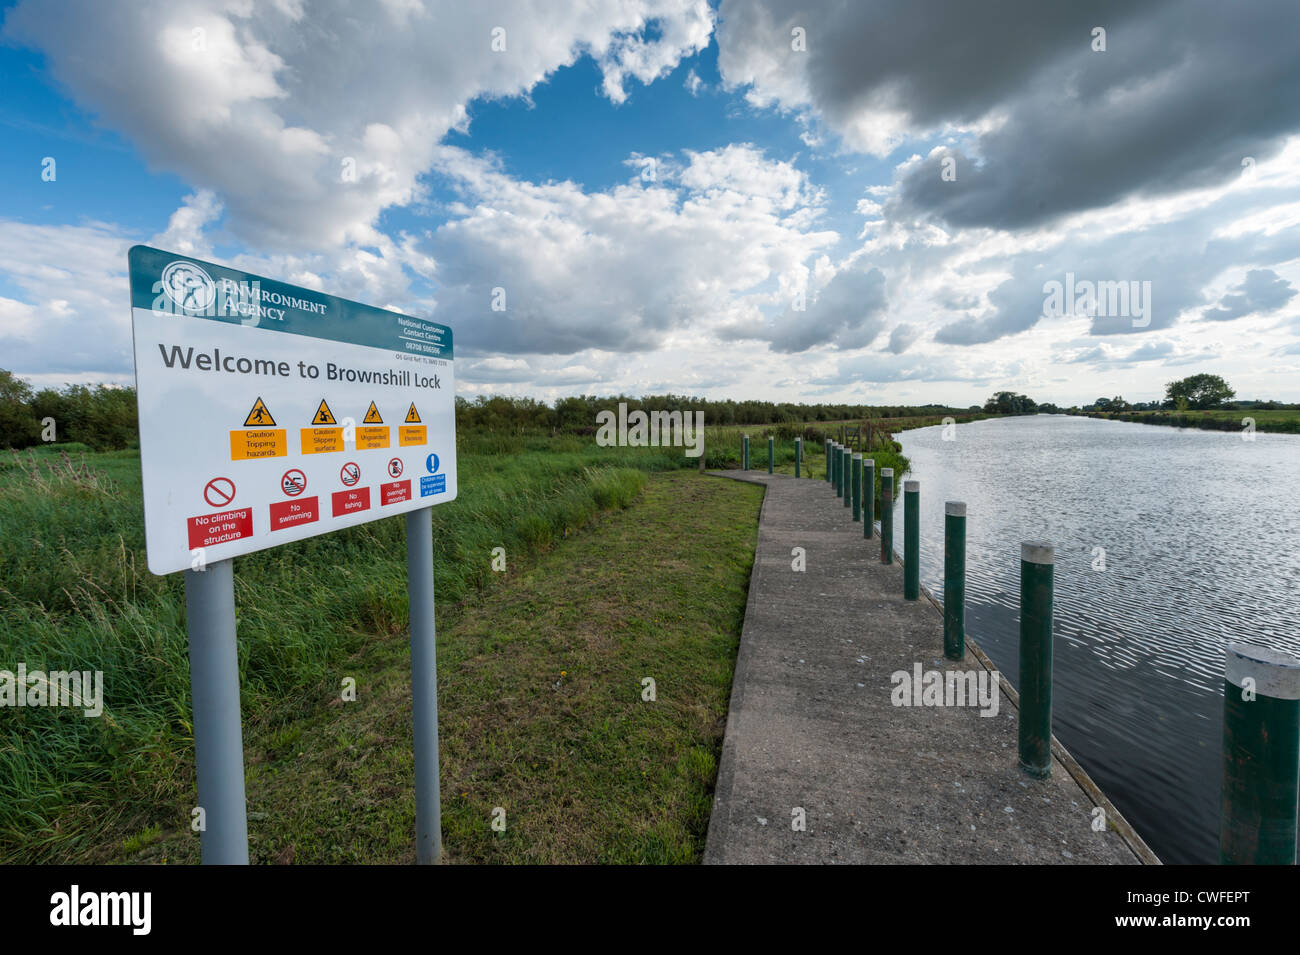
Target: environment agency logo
[(188, 286)]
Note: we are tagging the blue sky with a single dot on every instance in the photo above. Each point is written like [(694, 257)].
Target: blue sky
[(860, 202)]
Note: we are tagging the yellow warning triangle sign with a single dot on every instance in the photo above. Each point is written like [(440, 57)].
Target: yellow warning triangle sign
[(259, 416), (323, 414), (412, 416), (372, 415)]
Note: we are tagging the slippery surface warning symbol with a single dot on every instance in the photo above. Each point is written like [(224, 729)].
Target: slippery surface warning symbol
[(259, 416), (323, 414), (225, 357)]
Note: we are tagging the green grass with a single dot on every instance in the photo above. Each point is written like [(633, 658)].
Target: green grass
[(1219, 419), (76, 595)]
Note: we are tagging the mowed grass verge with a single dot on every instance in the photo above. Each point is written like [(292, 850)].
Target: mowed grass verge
[(541, 707), (540, 673)]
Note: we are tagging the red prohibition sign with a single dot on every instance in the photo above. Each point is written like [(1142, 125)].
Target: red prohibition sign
[(293, 482), (219, 491), (350, 474), (395, 467)]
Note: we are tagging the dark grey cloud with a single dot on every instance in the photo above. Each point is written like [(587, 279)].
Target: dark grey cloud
[(1151, 351), (1089, 356), (879, 368), (1182, 93), (1262, 291), (1015, 305), (1178, 259), (848, 313), (903, 337)]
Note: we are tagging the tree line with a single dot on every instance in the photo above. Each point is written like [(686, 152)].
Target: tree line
[(102, 417), (1203, 392)]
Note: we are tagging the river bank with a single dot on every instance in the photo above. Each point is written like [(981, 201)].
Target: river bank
[(1243, 420)]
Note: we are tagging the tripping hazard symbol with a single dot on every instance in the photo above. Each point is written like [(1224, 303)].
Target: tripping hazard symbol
[(259, 416)]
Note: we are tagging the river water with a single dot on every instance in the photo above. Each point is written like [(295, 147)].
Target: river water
[(1201, 539)]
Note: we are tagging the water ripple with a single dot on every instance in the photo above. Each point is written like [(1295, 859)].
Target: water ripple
[(1199, 533)]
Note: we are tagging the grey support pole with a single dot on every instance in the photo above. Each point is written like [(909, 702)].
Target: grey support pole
[(1036, 582), (424, 685), (1261, 756), (911, 540), (218, 728), (868, 498), (954, 580)]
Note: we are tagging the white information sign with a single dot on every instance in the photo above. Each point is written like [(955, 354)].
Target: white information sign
[(270, 413)]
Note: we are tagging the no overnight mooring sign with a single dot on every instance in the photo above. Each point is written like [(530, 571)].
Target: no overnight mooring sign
[(270, 413)]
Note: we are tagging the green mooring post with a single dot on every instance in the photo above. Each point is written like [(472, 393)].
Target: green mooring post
[(886, 515), (1261, 756), (911, 540), (826, 448), (1036, 581), (954, 580), (798, 456), (835, 469), (846, 478), (868, 498), (744, 453), (856, 466), (771, 453)]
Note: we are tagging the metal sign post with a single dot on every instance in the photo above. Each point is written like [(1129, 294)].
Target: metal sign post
[(218, 729), (424, 685)]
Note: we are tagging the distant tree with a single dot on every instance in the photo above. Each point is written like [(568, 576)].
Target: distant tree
[(19, 427), (1008, 402), (1198, 391)]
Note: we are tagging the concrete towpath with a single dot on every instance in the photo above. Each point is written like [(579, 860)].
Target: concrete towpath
[(811, 724)]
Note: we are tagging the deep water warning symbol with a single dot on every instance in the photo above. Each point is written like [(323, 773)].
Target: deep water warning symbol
[(259, 416), (323, 414)]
